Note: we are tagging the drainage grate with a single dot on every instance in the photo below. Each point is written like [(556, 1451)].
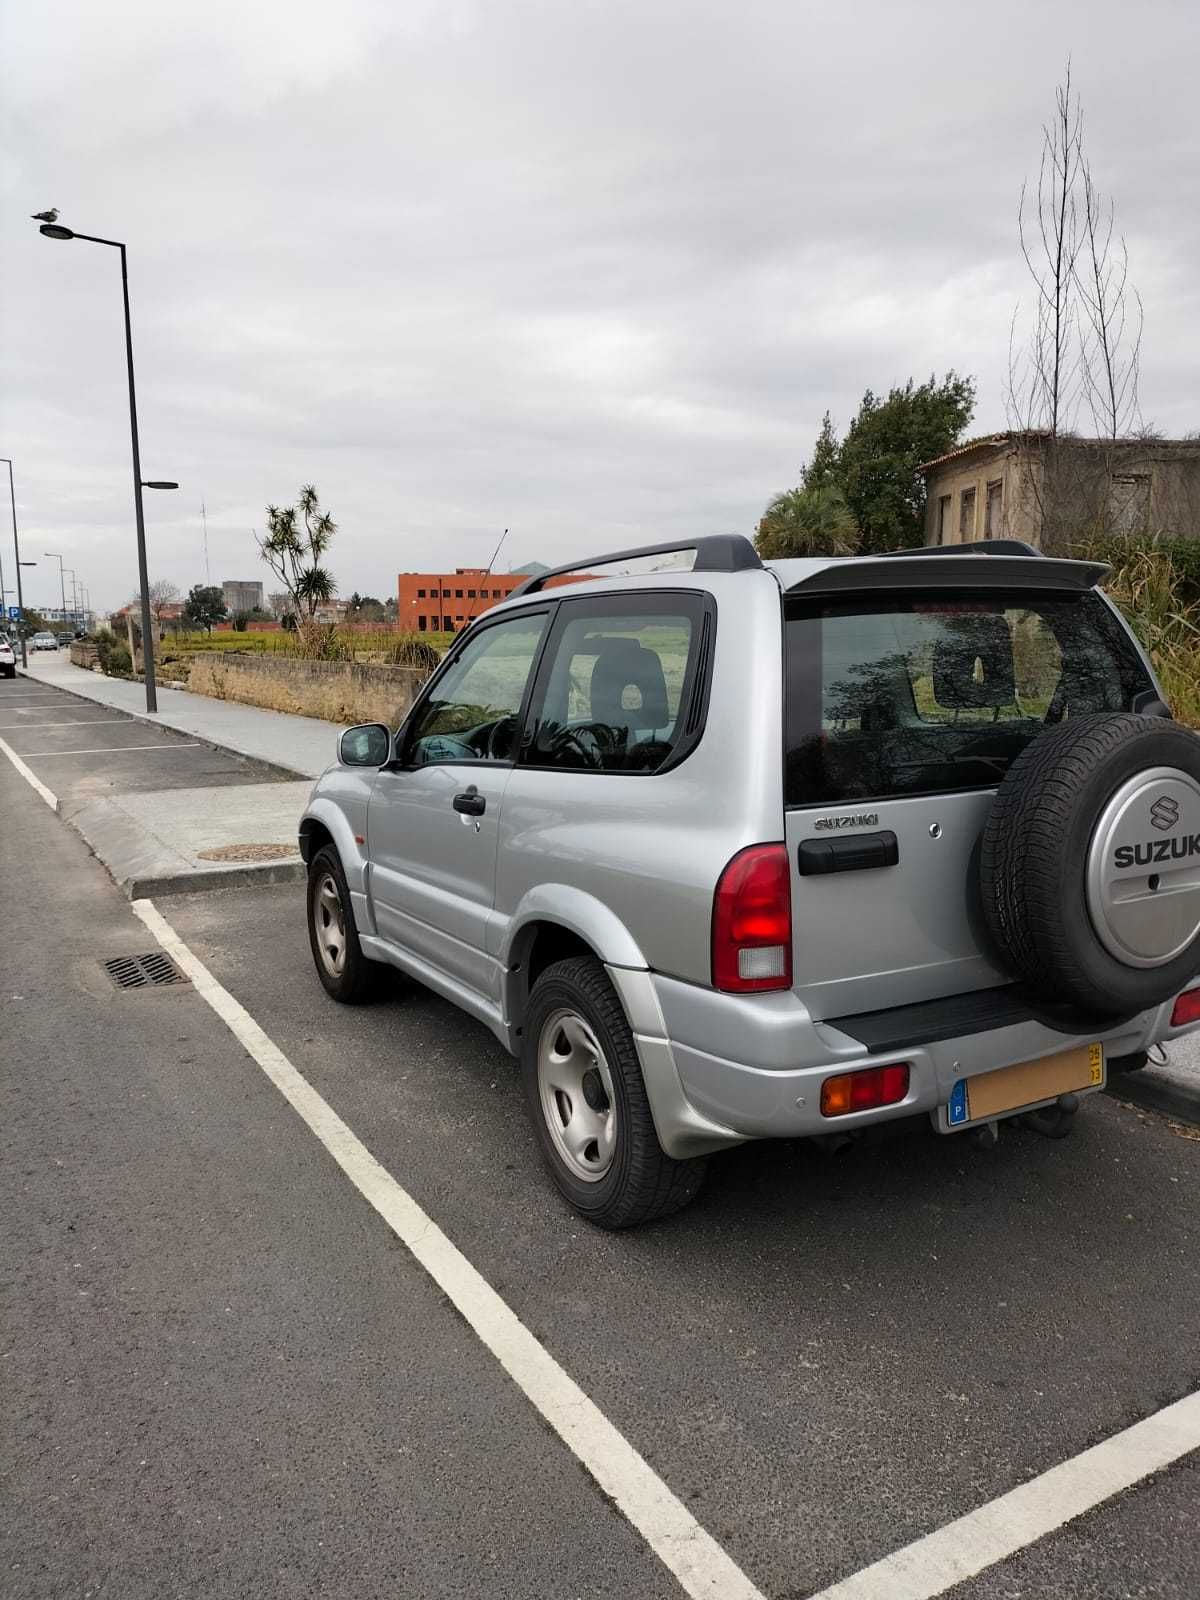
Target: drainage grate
[(141, 972)]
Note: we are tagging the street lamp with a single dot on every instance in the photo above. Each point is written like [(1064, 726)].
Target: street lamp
[(54, 230), (17, 553), (62, 586)]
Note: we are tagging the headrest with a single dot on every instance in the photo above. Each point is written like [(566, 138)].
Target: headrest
[(628, 686), (975, 668)]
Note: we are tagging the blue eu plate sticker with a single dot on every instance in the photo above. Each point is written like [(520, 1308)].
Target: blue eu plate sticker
[(958, 1103)]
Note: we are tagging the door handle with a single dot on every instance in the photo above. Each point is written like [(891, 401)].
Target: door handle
[(853, 852), (471, 804)]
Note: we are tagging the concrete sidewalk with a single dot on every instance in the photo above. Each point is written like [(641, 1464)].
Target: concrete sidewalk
[(175, 841), (303, 745)]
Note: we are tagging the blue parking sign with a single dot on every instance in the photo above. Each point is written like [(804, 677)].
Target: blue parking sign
[(14, 613)]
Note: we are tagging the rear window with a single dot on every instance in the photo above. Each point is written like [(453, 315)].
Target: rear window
[(913, 694)]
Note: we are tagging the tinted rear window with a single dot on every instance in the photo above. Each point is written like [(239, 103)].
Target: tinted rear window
[(911, 694)]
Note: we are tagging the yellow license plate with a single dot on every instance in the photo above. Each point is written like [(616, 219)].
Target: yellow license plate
[(994, 1094)]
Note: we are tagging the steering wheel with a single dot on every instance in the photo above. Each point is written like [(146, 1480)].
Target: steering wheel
[(599, 733), (507, 722)]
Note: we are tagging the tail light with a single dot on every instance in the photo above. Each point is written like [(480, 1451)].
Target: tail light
[(752, 922), (1186, 1009), (863, 1091)]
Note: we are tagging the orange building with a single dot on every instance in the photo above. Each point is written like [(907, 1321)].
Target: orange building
[(444, 602)]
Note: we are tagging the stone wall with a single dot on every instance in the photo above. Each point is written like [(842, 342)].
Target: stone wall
[(337, 691)]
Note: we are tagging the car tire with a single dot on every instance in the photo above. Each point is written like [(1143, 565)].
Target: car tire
[(1130, 1063), (344, 971), (587, 1099), (1070, 912)]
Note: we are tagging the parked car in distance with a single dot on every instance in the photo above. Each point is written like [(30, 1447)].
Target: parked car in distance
[(8, 659), (65, 637), (43, 641), (757, 851)]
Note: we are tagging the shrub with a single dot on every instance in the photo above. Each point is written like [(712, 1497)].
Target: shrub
[(1156, 583)]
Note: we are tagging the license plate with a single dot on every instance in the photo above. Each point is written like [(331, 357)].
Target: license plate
[(1027, 1083)]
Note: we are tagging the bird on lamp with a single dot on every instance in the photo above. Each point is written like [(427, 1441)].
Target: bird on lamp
[(46, 216)]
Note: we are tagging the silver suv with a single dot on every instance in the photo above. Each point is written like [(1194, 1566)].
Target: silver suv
[(738, 851)]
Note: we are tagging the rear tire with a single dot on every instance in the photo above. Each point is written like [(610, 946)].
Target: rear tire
[(587, 1099), (344, 971)]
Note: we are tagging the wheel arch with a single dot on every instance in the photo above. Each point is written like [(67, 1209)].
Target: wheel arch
[(553, 923), (326, 823)]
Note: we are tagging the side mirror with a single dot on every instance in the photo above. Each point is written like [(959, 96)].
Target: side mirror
[(368, 745)]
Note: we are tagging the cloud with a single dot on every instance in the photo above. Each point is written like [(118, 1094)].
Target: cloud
[(591, 271)]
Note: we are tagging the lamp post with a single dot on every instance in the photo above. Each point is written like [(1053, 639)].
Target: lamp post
[(62, 584), (12, 495), (53, 230)]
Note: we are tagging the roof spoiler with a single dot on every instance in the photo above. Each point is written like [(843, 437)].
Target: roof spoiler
[(927, 569), (976, 547), (718, 552)]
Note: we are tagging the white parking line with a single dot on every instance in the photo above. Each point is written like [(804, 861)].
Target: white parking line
[(114, 749), (993, 1532), (32, 727), (50, 798), (692, 1555)]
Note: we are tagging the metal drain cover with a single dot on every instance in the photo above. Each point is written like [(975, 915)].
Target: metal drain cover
[(141, 972), (249, 852)]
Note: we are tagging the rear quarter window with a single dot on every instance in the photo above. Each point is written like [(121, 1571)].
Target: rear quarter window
[(911, 694), (621, 687)]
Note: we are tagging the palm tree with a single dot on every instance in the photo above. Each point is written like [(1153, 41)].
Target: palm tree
[(807, 522), (297, 537)]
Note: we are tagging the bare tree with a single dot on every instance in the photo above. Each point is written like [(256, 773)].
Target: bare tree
[(1102, 274), (162, 594), (1046, 378)]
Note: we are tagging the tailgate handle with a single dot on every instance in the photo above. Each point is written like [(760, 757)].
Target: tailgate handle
[(860, 853)]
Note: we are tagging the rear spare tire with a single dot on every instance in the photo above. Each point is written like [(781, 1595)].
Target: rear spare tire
[(1090, 863)]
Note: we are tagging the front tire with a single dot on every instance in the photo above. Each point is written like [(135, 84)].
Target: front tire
[(587, 1098), (344, 971)]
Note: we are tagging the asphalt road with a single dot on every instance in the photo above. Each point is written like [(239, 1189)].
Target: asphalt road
[(223, 1376), (83, 751)]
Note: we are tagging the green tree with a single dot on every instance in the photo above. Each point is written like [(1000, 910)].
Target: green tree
[(807, 522), (822, 470), (888, 439), (204, 606), (297, 539)]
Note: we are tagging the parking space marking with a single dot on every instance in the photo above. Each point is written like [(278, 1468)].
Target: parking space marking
[(691, 1555), (32, 727), (993, 1532), (116, 749), (30, 778)]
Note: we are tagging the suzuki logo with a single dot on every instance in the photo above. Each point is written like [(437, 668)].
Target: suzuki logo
[(1164, 813)]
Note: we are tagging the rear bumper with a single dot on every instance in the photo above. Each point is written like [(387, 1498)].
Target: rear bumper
[(722, 1068)]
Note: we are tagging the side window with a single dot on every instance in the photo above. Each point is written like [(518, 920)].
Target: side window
[(617, 686), (473, 712)]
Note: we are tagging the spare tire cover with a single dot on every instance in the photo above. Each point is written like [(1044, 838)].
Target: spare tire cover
[(1090, 863)]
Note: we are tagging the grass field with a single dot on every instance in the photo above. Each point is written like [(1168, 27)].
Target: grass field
[(350, 643)]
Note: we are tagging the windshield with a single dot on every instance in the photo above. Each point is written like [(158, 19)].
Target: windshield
[(912, 694)]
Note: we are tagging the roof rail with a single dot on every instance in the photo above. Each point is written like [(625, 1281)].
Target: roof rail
[(973, 547), (717, 552)]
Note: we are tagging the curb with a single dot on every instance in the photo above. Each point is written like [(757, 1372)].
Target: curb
[(241, 877), (1156, 1092)]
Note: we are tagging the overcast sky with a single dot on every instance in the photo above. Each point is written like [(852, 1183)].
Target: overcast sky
[(591, 271)]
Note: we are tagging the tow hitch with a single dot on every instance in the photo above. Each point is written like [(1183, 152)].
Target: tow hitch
[(1056, 1121)]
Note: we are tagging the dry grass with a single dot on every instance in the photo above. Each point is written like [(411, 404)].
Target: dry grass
[(1154, 593)]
